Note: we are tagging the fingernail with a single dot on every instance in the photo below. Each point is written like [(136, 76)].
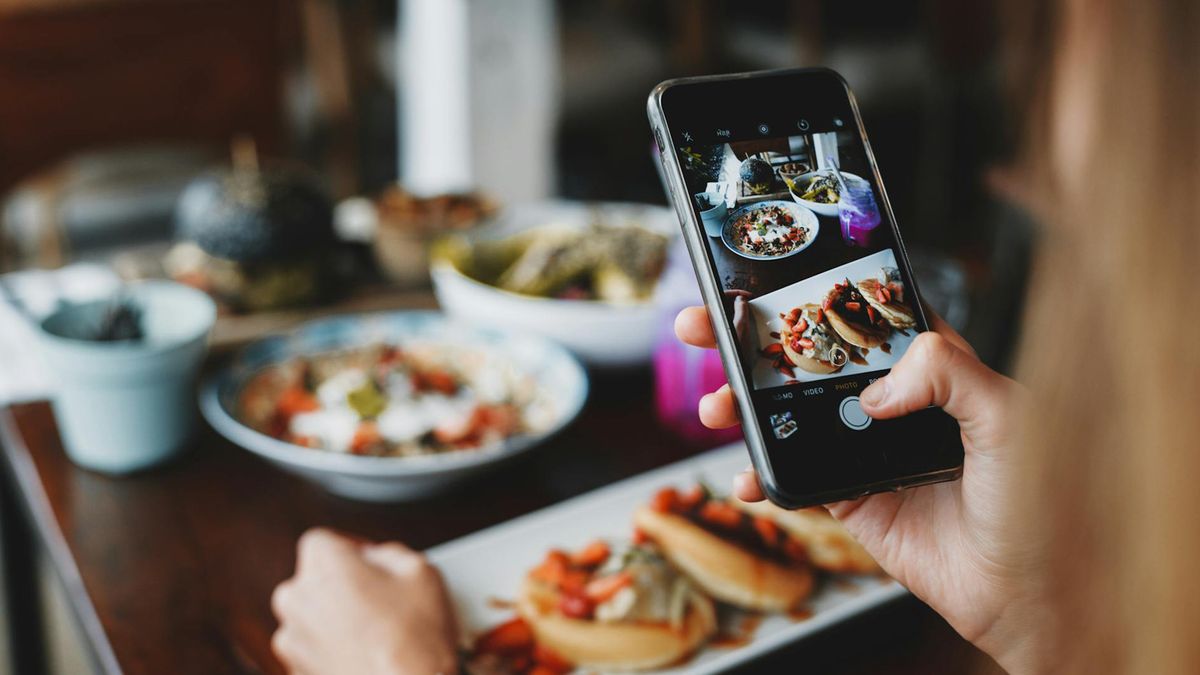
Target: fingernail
[(875, 394)]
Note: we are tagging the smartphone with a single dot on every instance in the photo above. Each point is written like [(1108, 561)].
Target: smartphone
[(805, 277)]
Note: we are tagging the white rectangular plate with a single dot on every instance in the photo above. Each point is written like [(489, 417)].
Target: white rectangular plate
[(483, 567), (767, 308)]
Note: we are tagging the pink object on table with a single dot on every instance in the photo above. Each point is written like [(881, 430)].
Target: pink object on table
[(683, 374)]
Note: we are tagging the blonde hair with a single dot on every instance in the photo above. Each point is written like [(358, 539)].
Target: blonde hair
[(1110, 350)]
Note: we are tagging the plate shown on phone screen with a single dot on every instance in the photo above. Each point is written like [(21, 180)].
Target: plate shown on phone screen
[(770, 230)]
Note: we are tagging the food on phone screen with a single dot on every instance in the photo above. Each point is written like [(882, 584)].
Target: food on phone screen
[(810, 343), (419, 398), (789, 171), (853, 318), (735, 557), (768, 231), (887, 298), (822, 189), (625, 609), (830, 547), (757, 174)]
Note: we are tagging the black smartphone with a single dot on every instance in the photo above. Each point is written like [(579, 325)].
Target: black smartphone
[(805, 277)]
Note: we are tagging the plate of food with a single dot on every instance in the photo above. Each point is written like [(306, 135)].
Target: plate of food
[(582, 274), (819, 191), (396, 405), (855, 318), (655, 573), (769, 230)]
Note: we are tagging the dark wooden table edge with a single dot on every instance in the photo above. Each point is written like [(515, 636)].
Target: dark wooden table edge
[(23, 479)]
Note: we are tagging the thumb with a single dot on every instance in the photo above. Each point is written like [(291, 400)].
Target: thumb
[(935, 372)]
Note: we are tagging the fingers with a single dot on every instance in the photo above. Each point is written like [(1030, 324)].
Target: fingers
[(320, 548), (397, 559), (692, 327), (283, 598), (717, 409), (746, 488), (936, 372), (291, 649)]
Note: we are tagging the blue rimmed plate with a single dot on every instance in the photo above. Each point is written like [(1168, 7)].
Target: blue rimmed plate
[(560, 384)]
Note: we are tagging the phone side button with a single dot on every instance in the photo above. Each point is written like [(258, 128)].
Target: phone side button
[(851, 412)]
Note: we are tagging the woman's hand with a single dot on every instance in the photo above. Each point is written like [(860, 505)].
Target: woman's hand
[(951, 544), (355, 607)]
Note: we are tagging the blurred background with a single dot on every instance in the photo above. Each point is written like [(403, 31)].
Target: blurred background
[(416, 116), (112, 106)]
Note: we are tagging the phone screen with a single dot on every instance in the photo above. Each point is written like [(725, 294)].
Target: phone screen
[(815, 287)]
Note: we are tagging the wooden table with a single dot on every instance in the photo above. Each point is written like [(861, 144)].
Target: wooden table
[(170, 571)]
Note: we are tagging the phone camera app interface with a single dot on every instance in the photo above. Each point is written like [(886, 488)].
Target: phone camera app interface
[(807, 259)]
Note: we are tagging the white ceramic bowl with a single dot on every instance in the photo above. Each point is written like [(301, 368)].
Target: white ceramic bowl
[(561, 381), (820, 209), (602, 334)]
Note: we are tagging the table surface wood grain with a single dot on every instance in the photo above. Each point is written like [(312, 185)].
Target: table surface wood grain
[(171, 570)]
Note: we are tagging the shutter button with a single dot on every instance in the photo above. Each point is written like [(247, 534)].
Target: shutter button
[(851, 412)]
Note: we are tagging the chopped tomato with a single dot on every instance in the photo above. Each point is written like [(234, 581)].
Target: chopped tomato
[(767, 529), (665, 500), (511, 637), (573, 581), (639, 537), (306, 441), (437, 380), (295, 400), (576, 606), (602, 588), (278, 424), (365, 436), (721, 513), (462, 428), (592, 555), (693, 496), (504, 419), (795, 550), (547, 658), (553, 568)]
